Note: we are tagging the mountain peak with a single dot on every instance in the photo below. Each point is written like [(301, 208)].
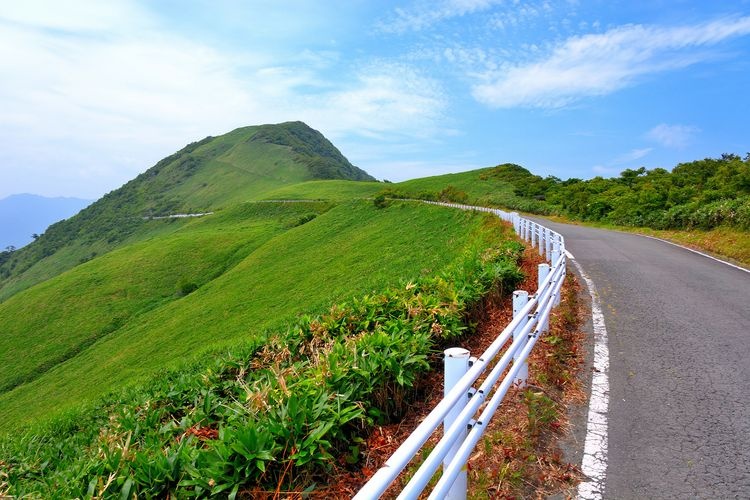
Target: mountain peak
[(205, 175), (318, 154)]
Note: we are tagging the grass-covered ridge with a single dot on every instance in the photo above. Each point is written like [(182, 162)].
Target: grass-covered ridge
[(209, 174), (279, 410)]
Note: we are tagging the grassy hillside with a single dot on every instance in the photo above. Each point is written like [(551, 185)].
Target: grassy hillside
[(351, 249), (481, 187), (100, 297), (703, 204), (325, 190), (206, 175), (245, 348), (277, 410)]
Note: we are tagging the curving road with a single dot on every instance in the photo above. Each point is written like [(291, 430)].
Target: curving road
[(679, 347)]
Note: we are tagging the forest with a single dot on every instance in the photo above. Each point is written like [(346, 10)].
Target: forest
[(700, 194)]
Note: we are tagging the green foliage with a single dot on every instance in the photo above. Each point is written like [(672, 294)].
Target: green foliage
[(186, 287), (451, 194), (702, 194), (274, 413), (379, 201)]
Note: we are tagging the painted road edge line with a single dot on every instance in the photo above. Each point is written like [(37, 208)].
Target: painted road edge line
[(594, 462), (698, 252)]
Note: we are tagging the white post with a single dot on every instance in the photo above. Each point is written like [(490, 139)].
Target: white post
[(456, 366), (542, 239), (533, 234), (555, 257), (543, 273), (520, 299), (549, 244)]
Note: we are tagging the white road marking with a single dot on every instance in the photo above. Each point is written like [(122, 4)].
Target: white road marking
[(569, 255), (594, 463), (696, 251)]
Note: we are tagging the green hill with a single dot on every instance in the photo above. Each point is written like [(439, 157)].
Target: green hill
[(484, 187), (152, 291), (287, 322), (122, 317), (204, 176)]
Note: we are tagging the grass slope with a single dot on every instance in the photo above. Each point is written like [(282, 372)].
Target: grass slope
[(206, 175), (349, 250), (100, 297), (333, 190), (479, 186)]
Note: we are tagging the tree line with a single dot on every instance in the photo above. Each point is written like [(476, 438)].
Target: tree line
[(700, 194)]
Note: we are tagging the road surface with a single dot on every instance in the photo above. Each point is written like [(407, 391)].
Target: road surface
[(679, 346)]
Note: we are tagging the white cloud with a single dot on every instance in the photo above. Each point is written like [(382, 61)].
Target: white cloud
[(424, 14), (86, 102), (599, 64), (73, 15), (672, 136), (603, 171), (632, 155), (386, 98)]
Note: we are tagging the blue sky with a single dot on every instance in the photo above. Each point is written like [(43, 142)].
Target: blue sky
[(93, 93)]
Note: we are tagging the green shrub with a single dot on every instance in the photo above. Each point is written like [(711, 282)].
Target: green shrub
[(379, 201)]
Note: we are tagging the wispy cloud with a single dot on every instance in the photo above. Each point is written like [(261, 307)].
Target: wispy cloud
[(109, 93), (615, 166), (598, 64), (425, 14), (633, 155), (672, 136)]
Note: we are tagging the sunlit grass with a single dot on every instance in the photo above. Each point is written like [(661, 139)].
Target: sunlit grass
[(351, 249)]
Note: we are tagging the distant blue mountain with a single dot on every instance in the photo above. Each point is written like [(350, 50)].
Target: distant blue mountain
[(22, 215)]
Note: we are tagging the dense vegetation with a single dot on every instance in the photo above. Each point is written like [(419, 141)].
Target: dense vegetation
[(703, 194), (274, 411)]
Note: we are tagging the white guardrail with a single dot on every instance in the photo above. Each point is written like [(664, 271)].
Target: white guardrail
[(457, 411)]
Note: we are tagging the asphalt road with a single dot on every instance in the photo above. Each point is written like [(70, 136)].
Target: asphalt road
[(679, 347)]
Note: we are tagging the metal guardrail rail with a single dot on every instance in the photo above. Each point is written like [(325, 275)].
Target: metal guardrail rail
[(458, 409)]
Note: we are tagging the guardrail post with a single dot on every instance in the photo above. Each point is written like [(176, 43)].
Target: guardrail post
[(456, 366), (533, 234), (555, 257), (520, 298), (548, 245), (543, 238), (543, 272)]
